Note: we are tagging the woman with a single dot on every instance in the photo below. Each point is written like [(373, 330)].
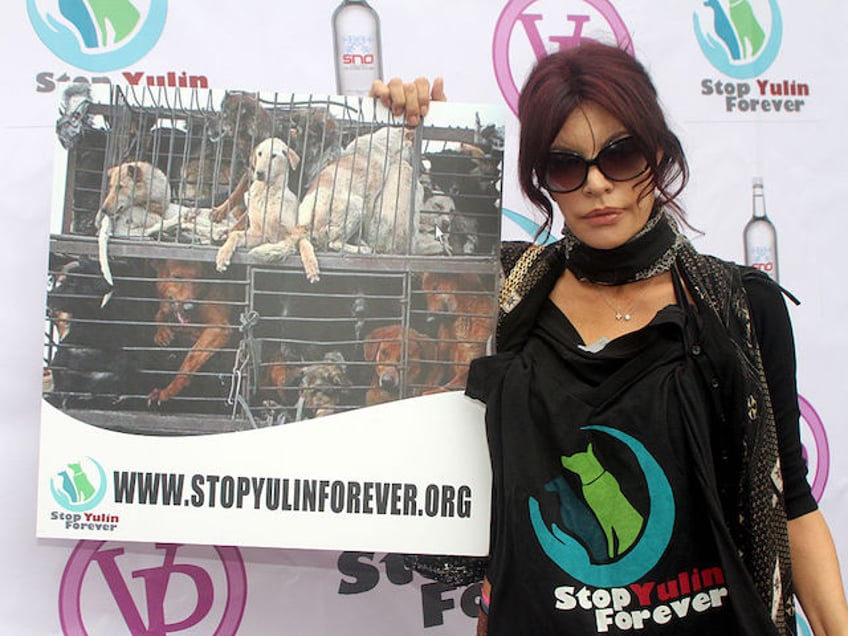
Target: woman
[(642, 414)]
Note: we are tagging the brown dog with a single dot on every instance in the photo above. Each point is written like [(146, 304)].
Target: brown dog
[(193, 311), (384, 346), (322, 387), (464, 311)]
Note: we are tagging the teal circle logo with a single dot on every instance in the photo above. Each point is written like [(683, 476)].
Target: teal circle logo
[(98, 35), (79, 486), (741, 38), (649, 541)]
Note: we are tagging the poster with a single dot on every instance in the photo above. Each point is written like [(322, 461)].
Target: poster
[(260, 304)]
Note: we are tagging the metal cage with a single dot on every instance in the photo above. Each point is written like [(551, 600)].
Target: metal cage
[(292, 349)]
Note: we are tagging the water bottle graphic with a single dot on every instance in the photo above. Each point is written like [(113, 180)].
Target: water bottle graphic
[(356, 39), (760, 235)]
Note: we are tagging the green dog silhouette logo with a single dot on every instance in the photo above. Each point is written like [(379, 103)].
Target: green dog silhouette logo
[(620, 521)]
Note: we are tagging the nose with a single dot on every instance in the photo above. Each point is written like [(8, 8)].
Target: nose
[(596, 182)]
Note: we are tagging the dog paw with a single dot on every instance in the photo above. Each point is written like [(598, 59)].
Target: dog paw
[(222, 263), (156, 397), (309, 260), (163, 336), (313, 276), (436, 391), (219, 213)]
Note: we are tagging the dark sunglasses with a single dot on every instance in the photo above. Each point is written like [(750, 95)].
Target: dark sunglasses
[(620, 160)]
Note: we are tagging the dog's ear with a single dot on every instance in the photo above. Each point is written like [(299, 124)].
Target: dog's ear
[(294, 159), (158, 265), (134, 172), (470, 282), (428, 349), (369, 347)]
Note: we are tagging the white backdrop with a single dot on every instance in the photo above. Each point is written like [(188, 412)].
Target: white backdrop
[(481, 47)]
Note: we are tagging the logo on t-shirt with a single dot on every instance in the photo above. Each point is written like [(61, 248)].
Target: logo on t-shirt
[(601, 539), (609, 542)]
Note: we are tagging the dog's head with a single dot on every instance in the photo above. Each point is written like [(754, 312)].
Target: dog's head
[(384, 347), (241, 116), (180, 288), (78, 291), (324, 386), (441, 292), (135, 183), (272, 159)]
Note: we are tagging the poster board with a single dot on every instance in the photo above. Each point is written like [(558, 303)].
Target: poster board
[(283, 350)]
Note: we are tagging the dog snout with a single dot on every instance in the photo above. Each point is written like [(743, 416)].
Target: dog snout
[(388, 379), (182, 310), (437, 315), (215, 132)]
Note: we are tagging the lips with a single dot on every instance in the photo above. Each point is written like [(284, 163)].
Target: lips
[(603, 216)]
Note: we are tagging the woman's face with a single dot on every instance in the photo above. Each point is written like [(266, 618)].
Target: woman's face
[(601, 213)]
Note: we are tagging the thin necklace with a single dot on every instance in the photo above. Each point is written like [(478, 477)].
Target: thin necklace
[(625, 315)]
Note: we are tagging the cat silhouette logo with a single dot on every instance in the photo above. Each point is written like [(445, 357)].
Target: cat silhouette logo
[(79, 486), (741, 38), (599, 537), (98, 35)]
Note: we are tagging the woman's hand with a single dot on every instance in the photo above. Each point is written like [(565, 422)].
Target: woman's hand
[(412, 97)]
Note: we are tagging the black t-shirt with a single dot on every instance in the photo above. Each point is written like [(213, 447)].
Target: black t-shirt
[(604, 514)]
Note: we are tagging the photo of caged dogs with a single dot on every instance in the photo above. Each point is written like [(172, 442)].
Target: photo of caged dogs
[(265, 258)]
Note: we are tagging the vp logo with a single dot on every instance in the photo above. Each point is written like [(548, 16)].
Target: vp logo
[(97, 35), (140, 578), (547, 28), (816, 448), (740, 38)]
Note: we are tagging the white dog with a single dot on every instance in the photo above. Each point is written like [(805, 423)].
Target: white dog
[(364, 197), (137, 203), (272, 211)]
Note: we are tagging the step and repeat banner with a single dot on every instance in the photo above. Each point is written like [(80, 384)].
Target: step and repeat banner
[(752, 87)]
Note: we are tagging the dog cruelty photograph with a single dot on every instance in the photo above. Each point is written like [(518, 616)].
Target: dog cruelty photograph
[(227, 260)]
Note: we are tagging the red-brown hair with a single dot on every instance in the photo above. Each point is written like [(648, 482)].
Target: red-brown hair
[(615, 81)]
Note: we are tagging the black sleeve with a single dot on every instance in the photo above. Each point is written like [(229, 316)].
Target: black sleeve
[(777, 346)]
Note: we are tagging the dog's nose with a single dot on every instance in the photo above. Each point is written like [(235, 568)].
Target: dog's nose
[(260, 175)]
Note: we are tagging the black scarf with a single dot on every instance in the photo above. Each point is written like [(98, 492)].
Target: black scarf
[(650, 252)]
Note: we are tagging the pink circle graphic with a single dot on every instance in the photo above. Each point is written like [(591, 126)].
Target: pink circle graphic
[(70, 590), (808, 413), (506, 24)]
